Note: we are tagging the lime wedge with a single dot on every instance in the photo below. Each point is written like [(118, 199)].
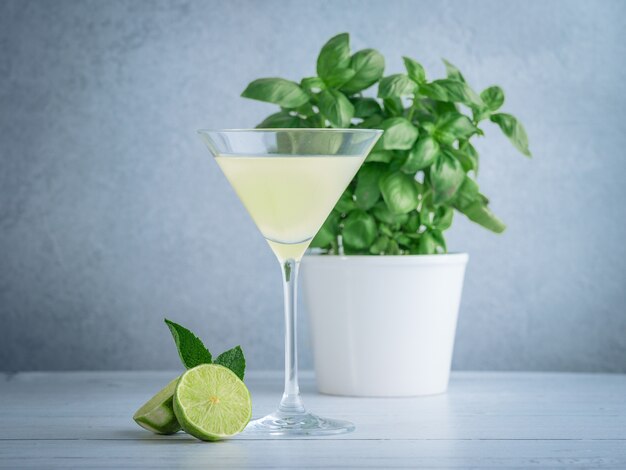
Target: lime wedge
[(212, 403), (157, 415)]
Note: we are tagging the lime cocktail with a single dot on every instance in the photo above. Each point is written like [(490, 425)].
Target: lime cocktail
[(289, 181)]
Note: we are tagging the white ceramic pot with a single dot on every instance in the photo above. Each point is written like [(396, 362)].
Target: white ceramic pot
[(383, 326)]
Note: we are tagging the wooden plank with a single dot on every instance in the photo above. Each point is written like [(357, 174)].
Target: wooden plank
[(524, 420), (291, 454)]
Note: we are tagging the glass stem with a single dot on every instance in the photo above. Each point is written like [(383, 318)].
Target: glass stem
[(291, 403)]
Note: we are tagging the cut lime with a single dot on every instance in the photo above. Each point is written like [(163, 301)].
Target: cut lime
[(157, 415), (212, 403)]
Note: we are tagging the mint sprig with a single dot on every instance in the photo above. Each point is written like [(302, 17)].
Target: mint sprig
[(234, 360), (193, 352)]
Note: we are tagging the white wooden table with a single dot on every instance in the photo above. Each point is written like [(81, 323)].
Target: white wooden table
[(487, 420)]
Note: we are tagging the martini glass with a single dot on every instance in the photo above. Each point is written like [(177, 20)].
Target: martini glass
[(289, 180)]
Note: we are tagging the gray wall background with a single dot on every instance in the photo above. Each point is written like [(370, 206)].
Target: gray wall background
[(112, 214)]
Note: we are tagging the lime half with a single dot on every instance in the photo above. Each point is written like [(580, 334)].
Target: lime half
[(212, 403), (157, 415)]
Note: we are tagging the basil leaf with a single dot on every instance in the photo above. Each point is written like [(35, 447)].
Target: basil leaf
[(281, 120), (454, 126), (399, 134), (479, 212), (466, 195), (395, 86), (393, 249), (379, 246), (372, 122), (359, 230), (453, 72), (421, 155), (513, 130), (312, 85), (427, 244), (327, 233), (414, 70), (339, 77), (383, 156), (452, 91), (368, 66), (400, 192), (439, 240), (446, 176), (413, 223), (346, 202), (493, 97), (335, 107), (443, 218), (367, 191), (393, 106), (470, 156), (276, 90), (335, 54), (365, 107)]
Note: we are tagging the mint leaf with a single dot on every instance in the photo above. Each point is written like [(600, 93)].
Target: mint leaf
[(190, 349), (233, 359)]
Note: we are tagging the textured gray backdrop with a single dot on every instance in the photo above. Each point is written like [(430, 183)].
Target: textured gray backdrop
[(112, 214)]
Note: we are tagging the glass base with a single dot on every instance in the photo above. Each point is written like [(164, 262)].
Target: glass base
[(305, 424)]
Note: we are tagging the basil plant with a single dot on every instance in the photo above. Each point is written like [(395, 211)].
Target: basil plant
[(421, 170)]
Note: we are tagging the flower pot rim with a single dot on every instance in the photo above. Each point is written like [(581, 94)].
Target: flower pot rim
[(420, 260)]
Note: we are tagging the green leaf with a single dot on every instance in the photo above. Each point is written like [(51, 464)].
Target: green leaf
[(479, 212), (439, 240), (335, 54), (427, 244), (403, 240), (368, 65), (400, 192), (396, 86), (453, 72), (367, 191), (234, 360), (393, 107), (443, 218), (379, 246), (421, 155), (413, 222), (511, 127), (335, 107), (454, 126), (383, 214), (466, 195), (346, 202), (190, 349), (339, 77), (365, 107), (359, 230), (414, 70), (383, 156), (446, 176), (276, 90), (281, 120), (426, 216), (393, 249), (399, 134), (328, 232), (493, 97), (312, 85), (469, 160), (452, 91), (372, 122)]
